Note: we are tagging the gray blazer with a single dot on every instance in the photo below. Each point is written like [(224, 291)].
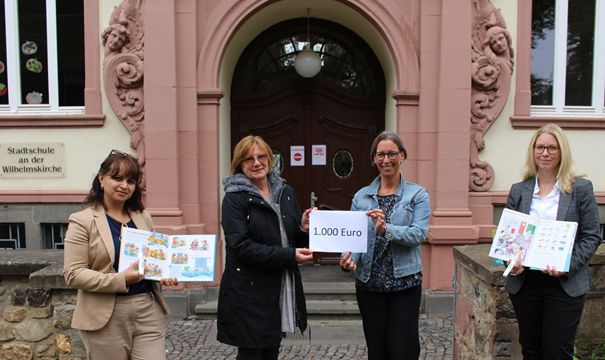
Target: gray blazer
[(579, 206)]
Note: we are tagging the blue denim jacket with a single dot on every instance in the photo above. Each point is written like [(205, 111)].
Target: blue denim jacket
[(409, 226)]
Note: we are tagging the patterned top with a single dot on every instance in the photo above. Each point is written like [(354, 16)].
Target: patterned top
[(382, 279)]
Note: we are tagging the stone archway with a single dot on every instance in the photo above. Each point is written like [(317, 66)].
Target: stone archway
[(231, 26)]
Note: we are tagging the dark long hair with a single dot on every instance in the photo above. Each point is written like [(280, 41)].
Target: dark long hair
[(121, 164)]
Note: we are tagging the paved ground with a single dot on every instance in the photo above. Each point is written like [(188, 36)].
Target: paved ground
[(328, 339)]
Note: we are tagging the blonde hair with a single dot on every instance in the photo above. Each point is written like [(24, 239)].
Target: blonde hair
[(240, 153), (566, 173)]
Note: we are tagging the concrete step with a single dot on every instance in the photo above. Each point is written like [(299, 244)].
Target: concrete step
[(329, 291), (315, 309), (206, 309), (330, 294), (347, 332), (332, 307), (320, 306)]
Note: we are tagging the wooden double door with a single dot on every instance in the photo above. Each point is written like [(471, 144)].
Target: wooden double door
[(307, 116), (342, 108)]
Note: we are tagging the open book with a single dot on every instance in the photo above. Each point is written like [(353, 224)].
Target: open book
[(185, 257), (537, 242)]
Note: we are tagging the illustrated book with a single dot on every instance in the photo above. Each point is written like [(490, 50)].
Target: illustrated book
[(185, 257), (537, 242)]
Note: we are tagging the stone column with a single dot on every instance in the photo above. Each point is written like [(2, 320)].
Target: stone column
[(445, 111), (161, 116)]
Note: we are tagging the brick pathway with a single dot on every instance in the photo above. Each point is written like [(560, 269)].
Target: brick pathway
[(195, 339)]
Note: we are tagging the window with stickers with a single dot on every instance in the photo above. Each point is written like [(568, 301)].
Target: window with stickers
[(42, 56)]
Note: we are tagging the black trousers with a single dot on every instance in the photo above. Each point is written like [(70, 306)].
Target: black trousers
[(257, 354), (547, 317), (390, 323)]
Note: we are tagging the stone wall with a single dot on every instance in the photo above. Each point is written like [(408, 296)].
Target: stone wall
[(36, 307), (485, 323)]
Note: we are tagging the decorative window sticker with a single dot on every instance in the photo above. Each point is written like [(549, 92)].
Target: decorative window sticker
[(29, 47), (33, 65), (33, 97)]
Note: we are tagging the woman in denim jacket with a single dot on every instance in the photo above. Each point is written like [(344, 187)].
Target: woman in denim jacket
[(389, 275)]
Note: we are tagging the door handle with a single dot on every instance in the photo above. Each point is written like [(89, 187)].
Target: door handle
[(313, 199)]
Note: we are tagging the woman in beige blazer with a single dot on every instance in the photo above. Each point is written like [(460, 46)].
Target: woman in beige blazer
[(119, 314)]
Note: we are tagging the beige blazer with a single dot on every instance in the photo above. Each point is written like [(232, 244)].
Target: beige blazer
[(88, 266)]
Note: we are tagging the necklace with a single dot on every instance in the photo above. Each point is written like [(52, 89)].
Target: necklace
[(123, 224), (122, 220)]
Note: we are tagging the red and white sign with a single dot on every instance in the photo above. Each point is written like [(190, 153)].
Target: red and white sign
[(297, 155), (318, 154)]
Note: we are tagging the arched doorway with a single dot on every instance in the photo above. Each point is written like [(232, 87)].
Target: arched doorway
[(342, 107)]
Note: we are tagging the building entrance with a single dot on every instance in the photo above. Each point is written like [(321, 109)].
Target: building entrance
[(320, 129)]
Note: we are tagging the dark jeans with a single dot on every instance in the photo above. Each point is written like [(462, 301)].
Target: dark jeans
[(390, 323), (257, 354), (547, 317)]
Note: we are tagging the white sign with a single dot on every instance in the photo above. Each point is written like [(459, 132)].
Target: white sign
[(297, 155), (318, 154), (32, 160), (338, 231)]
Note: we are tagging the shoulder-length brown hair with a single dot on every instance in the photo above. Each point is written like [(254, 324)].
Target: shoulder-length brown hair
[(118, 164), (242, 149), (566, 173)]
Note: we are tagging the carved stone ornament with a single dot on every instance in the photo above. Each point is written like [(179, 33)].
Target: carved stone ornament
[(123, 67), (492, 68)]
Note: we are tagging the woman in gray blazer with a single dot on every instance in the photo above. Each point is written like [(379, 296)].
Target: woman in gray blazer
[(548, 303)]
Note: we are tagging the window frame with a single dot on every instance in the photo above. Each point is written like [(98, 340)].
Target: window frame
[(19, 239), (49, 236), (578, 117), (53, 115)]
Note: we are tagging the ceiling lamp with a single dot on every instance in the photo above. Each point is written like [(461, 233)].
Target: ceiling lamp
[(307, 62)]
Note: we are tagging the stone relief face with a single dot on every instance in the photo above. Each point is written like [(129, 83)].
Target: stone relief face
[(123, 71), (115, 40), (498, 43), (492, 61)]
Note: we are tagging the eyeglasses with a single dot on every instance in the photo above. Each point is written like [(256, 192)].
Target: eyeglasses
[(551, 149), (392, 155), (260, 157), (118, 152)]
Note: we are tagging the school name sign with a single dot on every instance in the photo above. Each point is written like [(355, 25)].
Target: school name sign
[(338, 231), (35, 160)]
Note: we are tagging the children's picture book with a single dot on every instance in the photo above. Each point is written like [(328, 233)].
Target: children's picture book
[(538, 243), (185, 257)]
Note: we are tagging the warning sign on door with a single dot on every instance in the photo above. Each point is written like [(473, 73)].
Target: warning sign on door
[(318, 154), (297, 155)]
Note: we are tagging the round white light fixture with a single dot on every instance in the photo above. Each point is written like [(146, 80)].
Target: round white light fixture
[(307, 63)]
